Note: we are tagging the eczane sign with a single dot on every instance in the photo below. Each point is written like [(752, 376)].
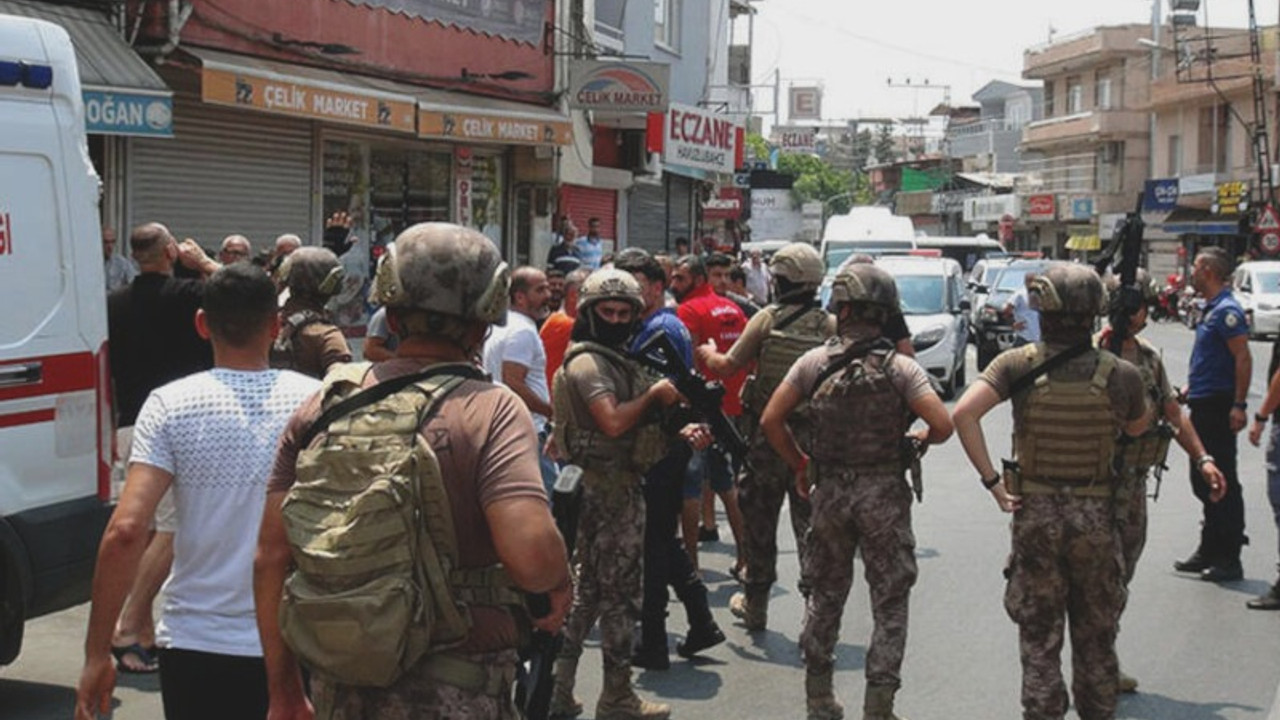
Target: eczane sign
[(695, 138)]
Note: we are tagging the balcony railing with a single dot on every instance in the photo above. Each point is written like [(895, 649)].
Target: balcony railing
[(1076, 173)]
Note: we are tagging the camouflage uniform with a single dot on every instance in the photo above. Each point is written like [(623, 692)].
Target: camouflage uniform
[(1131, 495), (420, 695)]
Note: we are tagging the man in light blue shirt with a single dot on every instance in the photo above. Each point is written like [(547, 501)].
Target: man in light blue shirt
[(590, 248)]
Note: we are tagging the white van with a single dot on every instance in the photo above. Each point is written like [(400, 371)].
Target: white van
[(965, 250), (1257, 286), (872, 229), (55, 412)]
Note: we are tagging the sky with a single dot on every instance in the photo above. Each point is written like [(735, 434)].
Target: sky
[(853, 47)]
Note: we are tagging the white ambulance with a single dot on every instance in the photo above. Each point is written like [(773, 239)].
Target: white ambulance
[(55, 412)]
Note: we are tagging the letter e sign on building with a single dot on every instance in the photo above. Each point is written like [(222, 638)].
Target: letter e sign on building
[(6, 234)]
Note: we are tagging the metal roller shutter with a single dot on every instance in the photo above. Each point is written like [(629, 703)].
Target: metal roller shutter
[(583, 203), (680, 207), (647, 217), (225, 171)]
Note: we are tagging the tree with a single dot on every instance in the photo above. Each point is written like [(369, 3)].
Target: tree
[(885, 146), (818, 181), (863, 142)]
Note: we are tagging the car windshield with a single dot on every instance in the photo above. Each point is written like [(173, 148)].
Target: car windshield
[(1011, 279), (922, 294), (1267, 282), (837, 254)]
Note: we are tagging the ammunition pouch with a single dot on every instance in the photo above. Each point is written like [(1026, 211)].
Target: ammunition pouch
[(1137, 456)]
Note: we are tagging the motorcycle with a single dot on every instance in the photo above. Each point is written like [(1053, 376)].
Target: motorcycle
[(1167, 303), (1190, 307)]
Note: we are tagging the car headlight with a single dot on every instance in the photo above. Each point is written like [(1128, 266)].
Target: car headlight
[(988, 314), (928, 338)]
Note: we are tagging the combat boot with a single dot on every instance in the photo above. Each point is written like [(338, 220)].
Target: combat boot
[(1126, 683), (820, 699), (878, 704), (618, 701), (751, 606), (563, 703)]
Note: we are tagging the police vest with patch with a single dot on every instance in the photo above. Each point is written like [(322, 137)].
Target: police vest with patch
[(796, 330), (635, 450), (377, 585), (285, 348), (1068, 431), (1138, 455), (859, 417)]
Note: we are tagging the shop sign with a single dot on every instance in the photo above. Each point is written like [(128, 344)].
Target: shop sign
[(796, 139), (951, 202), (1042, 207), (990, 208), (619, 85), (805, 103), (727, 205), (695, 138), (293, 96), (117, 113), (462, 184), (913, 203), (505, 129), (1160, 195), (1195, 184), (1080, 208), (1232, 198)]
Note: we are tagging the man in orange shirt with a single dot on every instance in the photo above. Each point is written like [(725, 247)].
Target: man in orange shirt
[(558, 326)]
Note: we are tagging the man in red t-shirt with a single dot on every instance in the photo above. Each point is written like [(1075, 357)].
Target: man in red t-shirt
[(557, 328), (709, 317)]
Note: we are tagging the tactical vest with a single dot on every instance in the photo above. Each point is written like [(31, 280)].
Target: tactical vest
[(376, 585), (284, 349), (795, 331), (1067, 436), (1136, 456), (859, 417), (637, 449)]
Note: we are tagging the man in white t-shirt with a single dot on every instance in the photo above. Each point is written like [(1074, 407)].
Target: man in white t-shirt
[(1026, 319), (212, 437), (514, 354)]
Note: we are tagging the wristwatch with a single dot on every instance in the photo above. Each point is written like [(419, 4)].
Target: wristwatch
[(1203, 459), (991, 482), (1240, 405), (1259, 417)]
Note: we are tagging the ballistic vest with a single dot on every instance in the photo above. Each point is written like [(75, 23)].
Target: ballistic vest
[(1137, 456), (637, 449), (1067, 435), (859, 417), (284, 351), (796, 330)]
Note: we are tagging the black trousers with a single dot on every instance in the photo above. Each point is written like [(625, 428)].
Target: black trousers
[(665, 560), (1222, 535), (198, 685)]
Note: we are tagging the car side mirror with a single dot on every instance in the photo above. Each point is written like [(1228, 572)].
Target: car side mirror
[(980, 288), (965, 306)]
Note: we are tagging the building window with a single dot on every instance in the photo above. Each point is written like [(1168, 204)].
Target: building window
[(666, 19), (1214, 138), (1175, 156), (1109, 168), (1102, 90), (1075, 96), (610, 15), (1048, 98)]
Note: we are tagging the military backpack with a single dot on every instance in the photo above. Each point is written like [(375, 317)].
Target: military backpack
[(284, 349), (796, 330), (376, 584)]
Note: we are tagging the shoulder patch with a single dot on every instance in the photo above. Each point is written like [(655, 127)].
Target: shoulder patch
[(1231, 319)]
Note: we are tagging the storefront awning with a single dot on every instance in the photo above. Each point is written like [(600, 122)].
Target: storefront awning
[(1194, 221), (286, 89), (122, 94), (1084, 243)]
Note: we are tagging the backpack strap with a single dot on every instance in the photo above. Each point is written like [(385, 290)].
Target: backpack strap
[(846, 358), (800, 311), (373, 394), (1044, 368)]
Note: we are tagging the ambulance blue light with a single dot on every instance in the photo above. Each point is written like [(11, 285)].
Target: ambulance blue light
[(36, 77)]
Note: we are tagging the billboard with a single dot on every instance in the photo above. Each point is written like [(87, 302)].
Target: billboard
[(618, 85), (805, 103)]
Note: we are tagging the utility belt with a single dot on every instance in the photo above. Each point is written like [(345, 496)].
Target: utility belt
[(886, 467), (468, 675), (1016, 484)]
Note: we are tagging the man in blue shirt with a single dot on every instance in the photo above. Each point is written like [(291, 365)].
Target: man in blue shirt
[(590, 248), (1217, 386), (665, 560)]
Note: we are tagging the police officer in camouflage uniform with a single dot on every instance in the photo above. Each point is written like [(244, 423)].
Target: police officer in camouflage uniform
[(309, 342), (862, 395), (1070, 403), (607, 421), (1139, 457), (773, 339)]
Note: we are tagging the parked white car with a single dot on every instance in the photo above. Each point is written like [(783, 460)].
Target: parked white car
[(932, 293), (1257, 286)]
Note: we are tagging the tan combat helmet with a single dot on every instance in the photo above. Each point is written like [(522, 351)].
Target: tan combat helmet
[(864, 284), (610, 284), (799, 264), (1068, 289), (312, 272), (445, 269)]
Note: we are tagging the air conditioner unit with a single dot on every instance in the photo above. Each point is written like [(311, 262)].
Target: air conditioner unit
[(635, 155)]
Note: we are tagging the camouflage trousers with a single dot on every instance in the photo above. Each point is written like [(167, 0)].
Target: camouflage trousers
[(1066, 565), (418, 695), (871, 512), (1131, 516), (609, 558), (761, 490)]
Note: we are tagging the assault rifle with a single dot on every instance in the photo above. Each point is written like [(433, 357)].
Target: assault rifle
[(534, 684), (1127, 242), (659, 354)]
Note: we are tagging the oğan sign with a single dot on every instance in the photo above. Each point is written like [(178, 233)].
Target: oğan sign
[(482, 128), (1042, 207), (285, 95), (695, 138)]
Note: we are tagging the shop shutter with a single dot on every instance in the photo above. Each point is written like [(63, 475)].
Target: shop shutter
[(647, 217), (680, 207), (583, 203), (224, 171)]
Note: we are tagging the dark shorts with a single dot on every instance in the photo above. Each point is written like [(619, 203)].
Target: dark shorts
[(710, 466)]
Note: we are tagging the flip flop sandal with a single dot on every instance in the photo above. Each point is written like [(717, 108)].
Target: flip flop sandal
[(146, 657)]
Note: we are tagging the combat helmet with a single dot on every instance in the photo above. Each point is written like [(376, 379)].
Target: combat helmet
[(797, 266), (1068, 289), (1150, 293), (447, 270), (609, 284), (869, 289), (312, 272)]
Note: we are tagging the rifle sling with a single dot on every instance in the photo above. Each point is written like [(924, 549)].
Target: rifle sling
[(844, 359), (371, 395), (1048, 366), (794, 316)]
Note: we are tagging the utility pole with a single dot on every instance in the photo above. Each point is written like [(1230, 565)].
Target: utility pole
[(915, 103)]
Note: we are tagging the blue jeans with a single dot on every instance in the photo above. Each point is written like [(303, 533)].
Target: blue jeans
[(1273, 473), (548, 466)]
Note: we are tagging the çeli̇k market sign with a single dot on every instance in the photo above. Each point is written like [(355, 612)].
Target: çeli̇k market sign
[(696, 138)]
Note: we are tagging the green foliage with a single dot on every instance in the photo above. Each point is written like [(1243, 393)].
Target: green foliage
[(885, 147), (816, 180)]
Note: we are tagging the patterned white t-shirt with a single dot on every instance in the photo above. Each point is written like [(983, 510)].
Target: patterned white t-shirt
[(216, 432)]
